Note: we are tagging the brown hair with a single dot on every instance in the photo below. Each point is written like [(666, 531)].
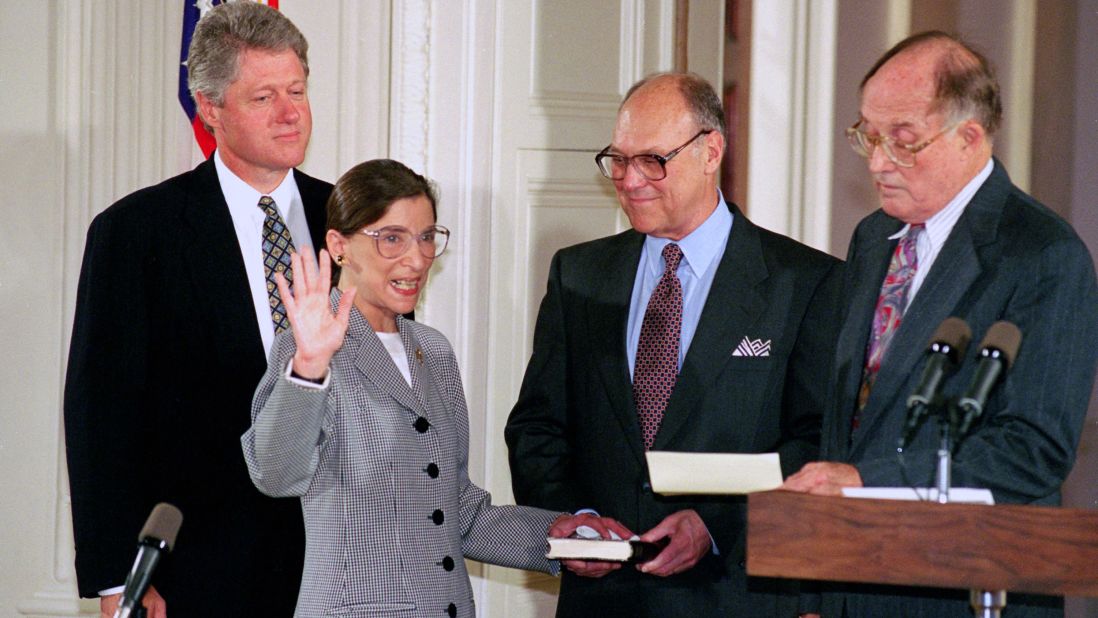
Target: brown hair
[(966, 84), (365, 192)]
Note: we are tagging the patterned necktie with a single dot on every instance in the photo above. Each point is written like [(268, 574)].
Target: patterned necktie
[(277, 247), (657, 363), (890, 310)]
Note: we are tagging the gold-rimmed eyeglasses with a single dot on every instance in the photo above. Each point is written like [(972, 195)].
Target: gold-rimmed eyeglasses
[(651, 166), (901, 154), (393, 240)]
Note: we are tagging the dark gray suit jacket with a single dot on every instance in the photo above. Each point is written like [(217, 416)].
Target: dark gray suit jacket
[(165, 356), (575, 440), (1007, 258)]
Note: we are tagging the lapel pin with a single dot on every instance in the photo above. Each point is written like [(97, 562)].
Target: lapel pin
[(419, 355)]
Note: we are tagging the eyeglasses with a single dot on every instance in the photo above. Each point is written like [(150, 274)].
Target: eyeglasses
[(393, 241), (651, 166), (902, 155)]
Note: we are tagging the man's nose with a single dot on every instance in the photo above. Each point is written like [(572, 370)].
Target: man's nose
[(287, 110), (633, 177), (878, 160)]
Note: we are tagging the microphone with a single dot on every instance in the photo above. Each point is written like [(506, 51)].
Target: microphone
[(997, 352), (947, 347), (157, 537)]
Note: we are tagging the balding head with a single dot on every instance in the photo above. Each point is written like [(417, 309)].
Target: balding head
[(677, 118), (964, 83), (922, 100)]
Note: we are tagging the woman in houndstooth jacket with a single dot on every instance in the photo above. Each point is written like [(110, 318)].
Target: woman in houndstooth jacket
[(362, 414)]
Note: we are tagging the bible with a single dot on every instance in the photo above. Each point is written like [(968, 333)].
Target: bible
[(624, 550)]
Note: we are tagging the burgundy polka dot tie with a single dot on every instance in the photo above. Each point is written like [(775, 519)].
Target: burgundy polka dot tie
[(657, 364)]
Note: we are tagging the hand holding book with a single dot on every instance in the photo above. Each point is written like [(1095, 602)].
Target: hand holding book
[(565, 529), (586, 544)]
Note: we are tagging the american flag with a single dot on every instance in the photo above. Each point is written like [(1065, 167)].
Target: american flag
[(193, 10)]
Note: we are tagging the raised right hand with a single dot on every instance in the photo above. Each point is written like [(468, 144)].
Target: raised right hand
[(317, 331)]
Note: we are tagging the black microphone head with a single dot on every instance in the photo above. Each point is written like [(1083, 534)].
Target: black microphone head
[(162, 525), (952, 338), (1004, 337)]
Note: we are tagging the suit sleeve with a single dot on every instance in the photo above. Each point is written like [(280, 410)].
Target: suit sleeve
[(537, 437), (1024, 445), (107, 420), (282, 447), (808, 390)]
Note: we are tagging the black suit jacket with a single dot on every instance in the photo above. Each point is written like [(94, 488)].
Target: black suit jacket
[(575, 440), (164, 359), (1007, 258)]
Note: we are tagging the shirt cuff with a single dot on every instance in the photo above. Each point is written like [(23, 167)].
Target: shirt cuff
[(306, 383), (109, 591)]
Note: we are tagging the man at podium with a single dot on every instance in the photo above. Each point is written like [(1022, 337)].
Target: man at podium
[(953, 237)]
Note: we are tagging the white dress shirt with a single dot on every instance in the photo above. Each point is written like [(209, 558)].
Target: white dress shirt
[(243, 201), (938, 228)]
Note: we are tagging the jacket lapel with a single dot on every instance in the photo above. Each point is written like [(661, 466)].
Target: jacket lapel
[(607, 321), (866, 272), (372, 360), (314, 197), (733, 305), (217, 268)]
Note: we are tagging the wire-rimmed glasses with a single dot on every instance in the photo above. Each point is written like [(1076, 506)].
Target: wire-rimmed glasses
[(902, 155), (393, 240)]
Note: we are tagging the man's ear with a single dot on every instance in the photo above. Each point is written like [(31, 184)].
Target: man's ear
[(973, 133), (714, 151), (210, 113)]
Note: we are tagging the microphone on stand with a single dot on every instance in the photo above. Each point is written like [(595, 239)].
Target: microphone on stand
[(997, 352), (156, 538), (946, 349)]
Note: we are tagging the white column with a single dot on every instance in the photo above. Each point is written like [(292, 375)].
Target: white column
[(790, 143)]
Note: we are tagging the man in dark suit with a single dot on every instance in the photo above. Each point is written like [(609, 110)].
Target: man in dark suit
[(173, 321), (738, 364), (982, 250)]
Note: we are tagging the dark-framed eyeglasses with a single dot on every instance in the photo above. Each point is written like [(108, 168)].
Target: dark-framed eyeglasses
[(393, 240), (651, 166), (902, 155)]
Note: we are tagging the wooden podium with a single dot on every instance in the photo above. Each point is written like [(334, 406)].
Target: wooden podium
[(1035, 549)]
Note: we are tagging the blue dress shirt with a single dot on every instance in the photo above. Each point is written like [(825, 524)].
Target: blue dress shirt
[(702, 251)]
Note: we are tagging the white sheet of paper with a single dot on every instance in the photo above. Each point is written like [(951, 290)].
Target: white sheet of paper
[(674, 473), (957, 495)]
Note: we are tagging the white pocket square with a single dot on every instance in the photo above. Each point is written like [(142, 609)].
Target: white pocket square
[(752, 347)]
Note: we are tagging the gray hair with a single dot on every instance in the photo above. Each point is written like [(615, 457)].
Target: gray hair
[(230, 29), (701, 99)]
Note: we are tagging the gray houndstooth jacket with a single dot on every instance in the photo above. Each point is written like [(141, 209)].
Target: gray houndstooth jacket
[(382, 469)]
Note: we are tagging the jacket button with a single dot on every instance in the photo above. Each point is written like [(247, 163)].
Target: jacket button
[(438, 517), (448, 563), (452, 610), (432, 470), (421, 425)]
